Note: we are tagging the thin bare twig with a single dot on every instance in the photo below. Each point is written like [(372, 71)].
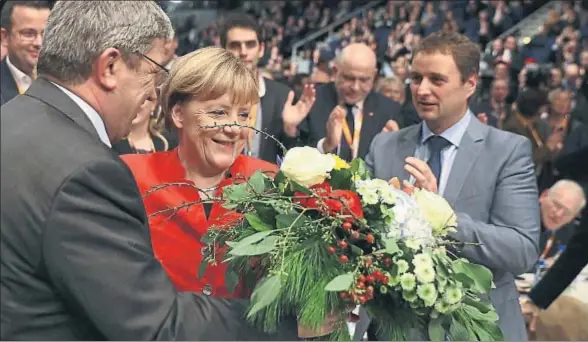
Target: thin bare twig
[(262, 132)]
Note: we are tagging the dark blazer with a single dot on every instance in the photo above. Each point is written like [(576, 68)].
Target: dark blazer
[(77, 261), (567, 267), (272, 105), (8, 87), (377, 110)]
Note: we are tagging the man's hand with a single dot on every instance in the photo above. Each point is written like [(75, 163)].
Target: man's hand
[(425, 179), (294, 114), (334, 129), (531, 313), (555, 140), (329, 325), (391, 126)]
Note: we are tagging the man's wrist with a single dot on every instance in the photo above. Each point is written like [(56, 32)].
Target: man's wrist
[(291, 130)]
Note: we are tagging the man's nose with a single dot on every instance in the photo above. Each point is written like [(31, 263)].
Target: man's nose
[(424, 88), (38, 40)]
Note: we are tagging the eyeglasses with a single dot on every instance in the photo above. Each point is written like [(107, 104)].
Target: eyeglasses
[(30, 34), (154, 62)]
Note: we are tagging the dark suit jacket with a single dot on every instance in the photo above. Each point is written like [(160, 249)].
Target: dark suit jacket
[(567, 267), (272, 105), (377, 110), (77, 261), (8, 87)]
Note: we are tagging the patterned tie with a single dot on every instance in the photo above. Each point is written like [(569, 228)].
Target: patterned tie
[(436, 144)]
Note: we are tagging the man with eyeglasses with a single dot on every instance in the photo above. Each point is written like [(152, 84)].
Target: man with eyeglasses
[(23, 25)]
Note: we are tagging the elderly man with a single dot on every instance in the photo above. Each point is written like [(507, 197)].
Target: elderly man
[(347, 113), (23, 24), (77, 261), (561, 204)]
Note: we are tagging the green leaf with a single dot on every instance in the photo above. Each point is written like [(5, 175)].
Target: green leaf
[(280, 178), (436, 331), (251, 239), (287, 220), (265, 246), (207, 239), (481, 276), (257, 223), (358, 166), (299, 188), (237, 192), (482, 306), (202, 269), (266, 213), (356, 250), (264, 294), (391, 246), (257, 182), (340, 283), (458, 331), (473, 312), (231, 279), (341, 179)]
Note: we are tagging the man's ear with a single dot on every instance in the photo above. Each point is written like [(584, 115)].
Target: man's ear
[(107, 67), (471, 84), (261, 50), (3, 36), (177, 116)]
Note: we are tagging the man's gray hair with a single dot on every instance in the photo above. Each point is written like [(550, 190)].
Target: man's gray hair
[(79, 31)]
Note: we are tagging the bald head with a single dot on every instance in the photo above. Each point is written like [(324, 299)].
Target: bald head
[(357, 54), (355, 71)]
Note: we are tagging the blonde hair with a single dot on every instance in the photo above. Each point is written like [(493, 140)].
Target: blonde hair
[(388, 81), (207, 74)]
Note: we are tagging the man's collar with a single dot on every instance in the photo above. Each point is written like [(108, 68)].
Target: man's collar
[(453, 134), (261, 85), (18, 75), (91, 113)]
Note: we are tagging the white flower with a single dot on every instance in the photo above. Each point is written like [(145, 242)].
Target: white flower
[(436, 211), (452, 295), (407, 281), (388, 195), (402, 266), (307, 166), (369, 196), (427, 293), (425, 274), (423, 260)]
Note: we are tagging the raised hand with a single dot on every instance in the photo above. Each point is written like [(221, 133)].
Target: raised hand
[(425, 179), (391, 126), (334, 129), (330, 323), (294, 114), (483, 117)]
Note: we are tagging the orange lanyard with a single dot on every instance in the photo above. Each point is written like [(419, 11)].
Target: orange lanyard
[(252, 123), (528, 124), (353, 142)]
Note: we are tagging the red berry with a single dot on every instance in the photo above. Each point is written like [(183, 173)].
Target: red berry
[(387, 261), (346, 226), (384, 280), (355, 235), (342, 243), (370, 239), (377, 275), (370, 279), (361, 278), (343, 258), (332, 250), (360, 285)]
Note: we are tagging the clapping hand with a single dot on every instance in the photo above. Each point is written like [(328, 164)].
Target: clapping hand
[(294, 114), (391, 126), (334, 129)]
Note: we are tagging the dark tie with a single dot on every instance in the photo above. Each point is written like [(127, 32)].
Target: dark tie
[(436, 144)]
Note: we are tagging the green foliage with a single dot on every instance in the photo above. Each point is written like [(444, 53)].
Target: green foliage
[(340, 283), (231, 279), (480, 276), (341, 179), (266, 245), (285, 221), (257, 182), (257, 223), (436, 329), (264, 294), (202, 268)]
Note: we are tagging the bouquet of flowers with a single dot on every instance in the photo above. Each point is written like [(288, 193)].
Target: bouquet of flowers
[(321, 234)]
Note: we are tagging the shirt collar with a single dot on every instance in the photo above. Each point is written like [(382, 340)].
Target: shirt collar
[(261, 86), (453, 134), (91, 113), (22, 80)]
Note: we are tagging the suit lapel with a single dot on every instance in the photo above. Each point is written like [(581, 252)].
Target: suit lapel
[(407, 144), (45, 91), (268, 105), (468, 152), (8, 84), (369, 125)]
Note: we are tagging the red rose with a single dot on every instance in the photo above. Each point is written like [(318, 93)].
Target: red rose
[(345, 202), (323, 189)]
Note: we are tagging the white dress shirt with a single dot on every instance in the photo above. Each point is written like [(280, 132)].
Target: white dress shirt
[(23, 81), (91, 113), (453, 134)]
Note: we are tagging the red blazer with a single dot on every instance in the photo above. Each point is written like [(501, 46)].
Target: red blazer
[(176, 239)]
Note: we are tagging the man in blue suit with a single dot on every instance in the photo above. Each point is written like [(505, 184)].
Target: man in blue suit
[(486, 174)]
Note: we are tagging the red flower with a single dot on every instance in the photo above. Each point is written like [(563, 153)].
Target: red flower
[(341, 202)]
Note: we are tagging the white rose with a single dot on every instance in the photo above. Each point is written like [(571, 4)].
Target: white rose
[(307, 166), (436, 211)]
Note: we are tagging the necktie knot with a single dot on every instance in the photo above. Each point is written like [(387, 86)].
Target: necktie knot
[(437, 143)]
